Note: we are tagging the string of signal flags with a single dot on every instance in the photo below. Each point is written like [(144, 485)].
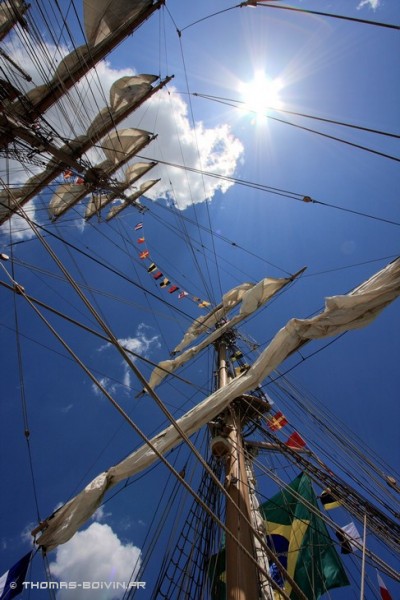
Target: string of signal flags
[(158, 275)]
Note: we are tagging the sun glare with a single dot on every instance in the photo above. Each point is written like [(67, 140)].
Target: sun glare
[(261, 94)]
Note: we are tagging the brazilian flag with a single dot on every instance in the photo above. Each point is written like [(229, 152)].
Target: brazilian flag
[(217, 575), (301, 541)]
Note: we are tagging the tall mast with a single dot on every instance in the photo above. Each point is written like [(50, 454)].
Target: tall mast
[(242, 578)]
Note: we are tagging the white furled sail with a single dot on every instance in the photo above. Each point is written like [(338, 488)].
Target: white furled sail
[(252, 298), (115, 210), (66, 196), (9, 199), (132, 174), (129, 90), (342, 313), (10, 14), (125, 141), (103, 17), (204, 322)]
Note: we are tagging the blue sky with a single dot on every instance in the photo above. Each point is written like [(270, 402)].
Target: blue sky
[(338, 70)]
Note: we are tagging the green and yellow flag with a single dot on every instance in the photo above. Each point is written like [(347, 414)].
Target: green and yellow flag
[(217, 575), (301, 541)]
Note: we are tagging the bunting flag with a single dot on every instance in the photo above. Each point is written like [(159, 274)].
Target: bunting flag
[(153, 267), (204, 304), (328, 500), (277, 421), (385, 595), (347, 535), (79, 181), (11, 581), (295, 441), (301, 541), (67, 174)]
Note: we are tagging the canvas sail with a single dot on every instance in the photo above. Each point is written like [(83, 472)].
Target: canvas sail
[(342, 313)]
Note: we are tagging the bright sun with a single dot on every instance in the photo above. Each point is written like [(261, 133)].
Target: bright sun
[(261, 94)]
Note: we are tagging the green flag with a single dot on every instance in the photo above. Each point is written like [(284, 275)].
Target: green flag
[(217, 575), (301, 541)]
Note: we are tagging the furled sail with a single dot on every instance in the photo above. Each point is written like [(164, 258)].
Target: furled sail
[(102, 17), (106, 25), (66, 196), (128, 90), (205, 322), (251, 298), (126, 141), (119, 147), (10, 14), (126, 94), (9, 199), (342, 313), (133, 173), (115, 210)]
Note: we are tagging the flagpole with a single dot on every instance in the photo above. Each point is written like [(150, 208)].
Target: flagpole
[(363, 558)]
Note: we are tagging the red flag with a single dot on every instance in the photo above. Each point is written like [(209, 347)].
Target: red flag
[(385, 595), (140, 241), (138, 226), (67, 174), (158, 275), (173, 289), (79, 180), (295, 441), (144, 254), (277, 422)]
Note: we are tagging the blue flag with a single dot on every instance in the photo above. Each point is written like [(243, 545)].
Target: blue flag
[(11, 581)]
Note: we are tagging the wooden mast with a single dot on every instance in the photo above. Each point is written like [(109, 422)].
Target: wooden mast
[(241, 573)]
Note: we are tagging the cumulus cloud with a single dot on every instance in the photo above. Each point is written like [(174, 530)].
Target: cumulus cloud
[(100, 514), (107, 384), (143, 343), (178, 142), (371, 3), (95, 555)]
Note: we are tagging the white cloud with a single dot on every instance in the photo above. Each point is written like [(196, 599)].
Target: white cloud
[(178, 142), (142, 343), (100, 514), (374, 4), (26, 534), (95, 555), (107, 385)]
